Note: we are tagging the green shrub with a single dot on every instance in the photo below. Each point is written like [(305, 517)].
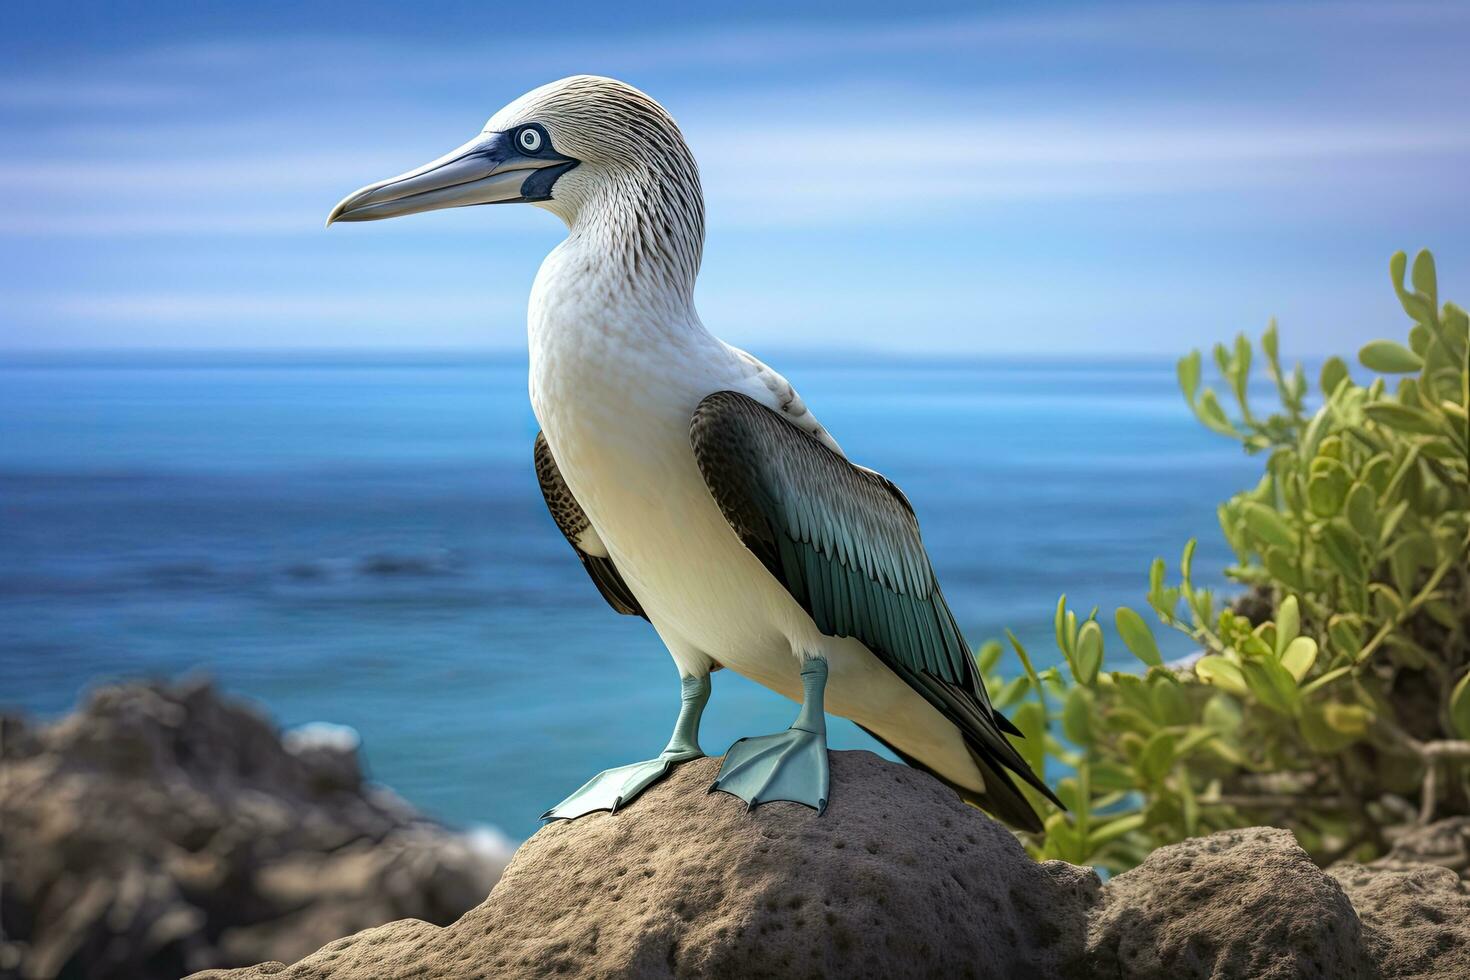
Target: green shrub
[(1333, 698)]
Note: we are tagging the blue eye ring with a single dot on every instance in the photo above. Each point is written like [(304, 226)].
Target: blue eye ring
[(530, 140)]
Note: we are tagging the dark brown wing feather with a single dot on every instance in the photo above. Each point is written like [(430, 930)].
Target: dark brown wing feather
[(574, 526)]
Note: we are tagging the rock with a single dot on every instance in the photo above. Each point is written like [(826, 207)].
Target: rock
[(164, 829), (1416, 918), (898, 878), (1241, 903)]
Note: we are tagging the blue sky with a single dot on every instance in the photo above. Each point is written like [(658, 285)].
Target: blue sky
[(1059, 179)]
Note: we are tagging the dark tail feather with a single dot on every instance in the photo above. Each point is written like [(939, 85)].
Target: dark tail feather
[(982, 733), (1001, 797)]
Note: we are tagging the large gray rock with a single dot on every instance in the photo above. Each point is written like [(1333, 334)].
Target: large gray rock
[(897, 879), (1240, 903), (1416, 919), (162, 829)]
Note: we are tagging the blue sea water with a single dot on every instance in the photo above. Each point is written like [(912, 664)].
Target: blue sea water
[(361, 540)]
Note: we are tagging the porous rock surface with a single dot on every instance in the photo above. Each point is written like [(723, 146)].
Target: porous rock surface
[(1416, 919), (163, 829), (899, 879), (1238, 903)]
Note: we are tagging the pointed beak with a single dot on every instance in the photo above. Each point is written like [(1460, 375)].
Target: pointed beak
[(486, 170)]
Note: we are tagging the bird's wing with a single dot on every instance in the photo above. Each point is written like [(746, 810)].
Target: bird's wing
[(581, 535), (786, 400), (844, 542)]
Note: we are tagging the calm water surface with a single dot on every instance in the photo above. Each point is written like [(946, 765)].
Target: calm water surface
[(362, 541)]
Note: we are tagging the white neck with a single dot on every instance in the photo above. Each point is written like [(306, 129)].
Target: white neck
[(627, 266)]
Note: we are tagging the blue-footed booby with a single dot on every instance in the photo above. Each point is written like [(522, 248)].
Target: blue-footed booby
[(693, 482)]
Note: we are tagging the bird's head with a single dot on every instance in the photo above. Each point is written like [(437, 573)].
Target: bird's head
[(571, 146)]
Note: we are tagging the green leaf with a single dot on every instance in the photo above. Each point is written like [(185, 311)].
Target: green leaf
[(1025, 659), (987, 656), (1012, 691), (1362, 511), (1030, 718), (1419, 339), (1341, 548), (1423, 277), (1299, 656), (1222, 712), (1460, 707), (1334, 373), (1137, 636), (1106, 833), (1404, 419), (1415, 305), (1267, 524), (1288, 623), (1157, 756), (1059, 622), (1089, 652), (1387, 357), (1351, 720), (1188, 371), (1167, 699), (1222, 673), (1272, 685), (1077, 716), (1062, 840), (1328, 487), (1318, 734), (1212, 415), (1281, 567)]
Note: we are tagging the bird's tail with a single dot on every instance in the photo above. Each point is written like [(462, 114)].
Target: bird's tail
[(1001, 798)]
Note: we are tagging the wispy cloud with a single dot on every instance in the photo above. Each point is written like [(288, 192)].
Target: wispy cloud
[(1094, 133), (224, 307), (827, 172)]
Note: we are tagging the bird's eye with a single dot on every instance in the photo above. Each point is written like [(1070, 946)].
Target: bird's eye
[(530, 140)]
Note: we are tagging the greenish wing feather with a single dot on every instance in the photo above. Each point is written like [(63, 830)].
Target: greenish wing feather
[(845, 543), (575, 527)]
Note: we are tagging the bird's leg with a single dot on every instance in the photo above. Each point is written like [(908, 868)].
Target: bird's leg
[(684, 743), (613, 788), (790, 765)]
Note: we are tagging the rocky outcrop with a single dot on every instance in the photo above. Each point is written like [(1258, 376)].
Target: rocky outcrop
[(164, 829), (899, 879), (1239, 903), (1416, 918)]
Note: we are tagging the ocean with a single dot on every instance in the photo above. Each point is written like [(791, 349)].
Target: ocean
[(360, 539)]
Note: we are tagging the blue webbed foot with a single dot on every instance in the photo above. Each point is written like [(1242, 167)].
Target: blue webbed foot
[(612, 788), (790, 766)]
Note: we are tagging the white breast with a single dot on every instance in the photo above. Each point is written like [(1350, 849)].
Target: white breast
[(614, 386)]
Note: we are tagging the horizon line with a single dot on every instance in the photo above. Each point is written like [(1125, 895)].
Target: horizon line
[(14, 357)]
